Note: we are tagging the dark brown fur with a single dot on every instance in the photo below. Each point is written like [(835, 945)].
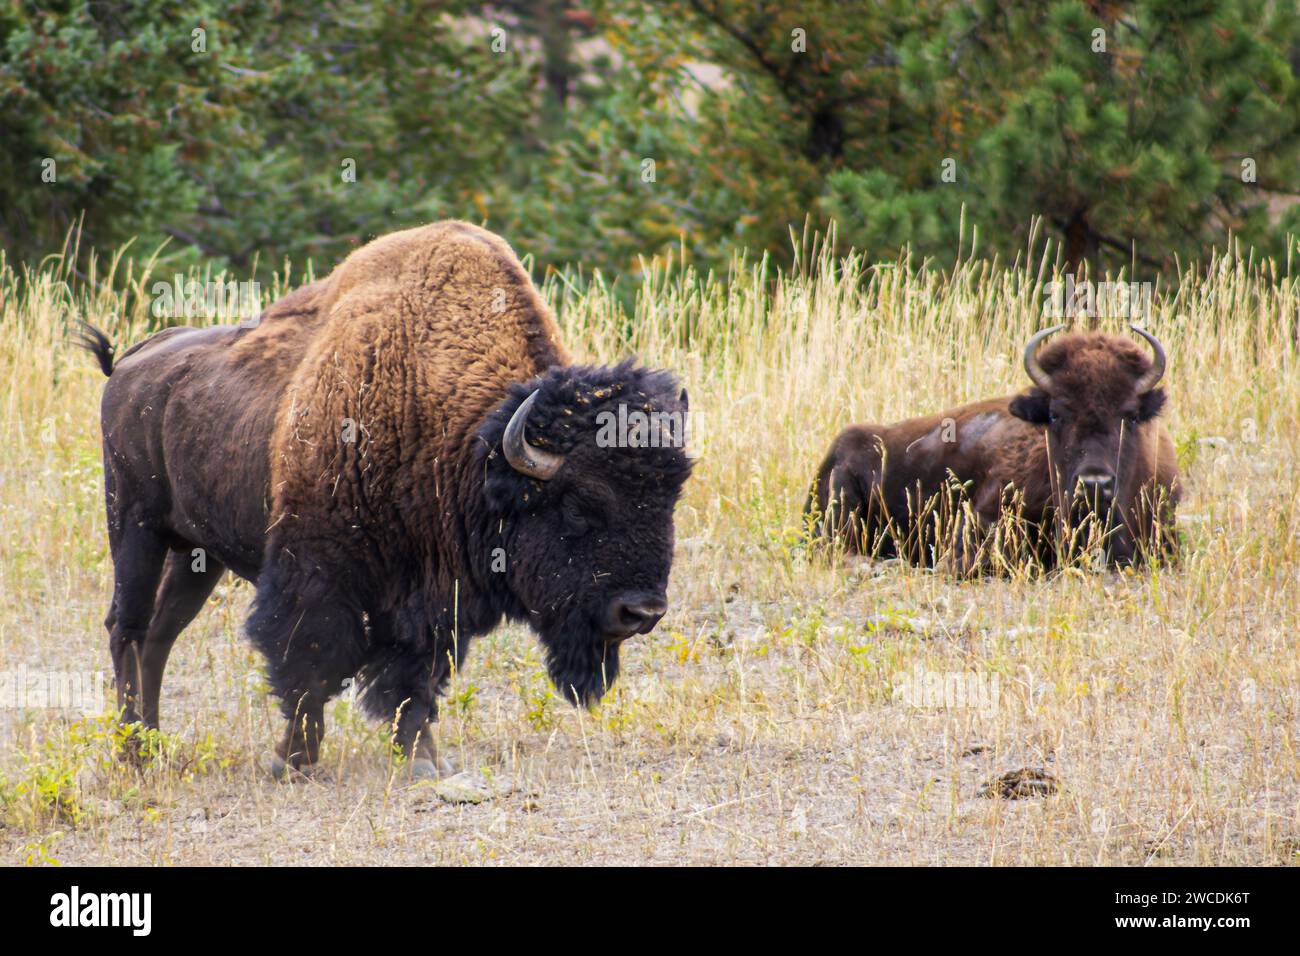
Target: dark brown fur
[(971, 463), (381, 557)]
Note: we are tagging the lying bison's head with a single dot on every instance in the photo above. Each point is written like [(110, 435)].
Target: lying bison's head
[(1093, 392), (584, 466)]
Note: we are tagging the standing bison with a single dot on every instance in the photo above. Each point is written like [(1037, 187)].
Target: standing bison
[(1082, 451), (400, 455)]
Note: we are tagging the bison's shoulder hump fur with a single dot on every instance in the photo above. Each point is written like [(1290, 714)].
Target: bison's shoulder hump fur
[(423, 333)]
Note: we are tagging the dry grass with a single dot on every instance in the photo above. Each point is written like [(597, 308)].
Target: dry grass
[(768, 718)]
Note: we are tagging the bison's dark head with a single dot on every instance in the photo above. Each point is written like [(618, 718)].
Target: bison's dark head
[(583, 467), (1093, 392)]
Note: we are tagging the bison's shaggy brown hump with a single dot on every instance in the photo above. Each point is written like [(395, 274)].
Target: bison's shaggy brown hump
[(426, 330)]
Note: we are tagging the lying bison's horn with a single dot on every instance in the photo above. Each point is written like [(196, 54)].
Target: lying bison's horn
[(523, 457), (1032, 368), (1157, 370)]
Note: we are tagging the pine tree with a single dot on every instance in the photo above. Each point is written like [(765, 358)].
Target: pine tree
[(248, 132), (1143, 129)]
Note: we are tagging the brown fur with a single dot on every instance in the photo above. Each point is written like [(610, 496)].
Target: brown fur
[(410, 355), (345, 453), (876, 480)]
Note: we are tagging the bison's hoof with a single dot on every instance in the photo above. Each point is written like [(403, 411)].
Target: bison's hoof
[(276, 766), (424, 768), (287, 773)]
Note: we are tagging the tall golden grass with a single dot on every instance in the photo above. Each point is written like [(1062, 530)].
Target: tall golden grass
[(1170, 707)]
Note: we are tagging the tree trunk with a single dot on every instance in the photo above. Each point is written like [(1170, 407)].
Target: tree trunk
[(825, 136), (1081, 244)]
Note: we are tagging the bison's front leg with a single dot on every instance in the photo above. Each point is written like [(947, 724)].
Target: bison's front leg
[(300, 747), (400, 682), (313, 642)]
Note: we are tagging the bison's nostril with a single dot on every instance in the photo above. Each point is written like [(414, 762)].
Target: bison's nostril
[(1097, 486), (635, 614), (641, 614)]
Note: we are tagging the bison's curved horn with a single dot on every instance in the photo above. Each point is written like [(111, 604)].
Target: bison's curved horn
[(1157, 370), (1032, 368), (523, 457)]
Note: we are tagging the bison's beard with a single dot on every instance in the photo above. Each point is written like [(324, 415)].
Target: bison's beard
[(582, 664)]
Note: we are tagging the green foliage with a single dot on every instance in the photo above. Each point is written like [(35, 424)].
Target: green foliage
[(49, 787), (804, 90), (597, 134), (233, 142), (873, 210), (539, 702), (1140, 143)]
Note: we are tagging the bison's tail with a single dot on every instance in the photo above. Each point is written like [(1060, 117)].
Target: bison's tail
[(97, 344)]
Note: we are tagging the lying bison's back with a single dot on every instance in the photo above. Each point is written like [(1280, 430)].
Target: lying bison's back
[(188, 417)]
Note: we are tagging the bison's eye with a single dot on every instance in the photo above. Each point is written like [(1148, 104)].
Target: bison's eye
[(1053, 417), (575, 520), (1130, 418)]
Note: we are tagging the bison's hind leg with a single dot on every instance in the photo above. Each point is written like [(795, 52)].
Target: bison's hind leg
[(314, 640), (855, 495), (187, 581), (847, 496), (838, 507), (138, 556), (146, 616)]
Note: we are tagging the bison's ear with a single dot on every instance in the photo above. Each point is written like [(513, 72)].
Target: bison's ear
[(1150, 404), (1033, 406)]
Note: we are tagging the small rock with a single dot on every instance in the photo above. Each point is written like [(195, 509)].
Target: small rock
[(464, 787), (1025, 782)]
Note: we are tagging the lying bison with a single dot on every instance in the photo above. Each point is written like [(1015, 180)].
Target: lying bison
[(400, 455), (1082, 451)]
